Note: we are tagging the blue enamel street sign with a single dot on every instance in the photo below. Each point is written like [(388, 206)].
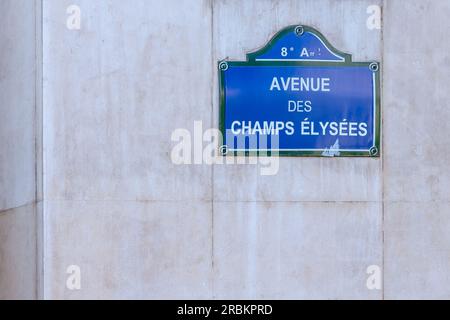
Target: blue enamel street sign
[(298, 96)]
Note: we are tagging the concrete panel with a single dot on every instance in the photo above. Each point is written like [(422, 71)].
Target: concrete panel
[(18, 260), (17, 103), (416, 162), (115, 90), (140, 227), (417, 251), (416, 104), (129, 250), (18, 112), (301, 179), (244, 26), (289, 250)]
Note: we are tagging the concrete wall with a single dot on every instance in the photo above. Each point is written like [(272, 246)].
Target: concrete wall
[(18, 126), (139, 226)]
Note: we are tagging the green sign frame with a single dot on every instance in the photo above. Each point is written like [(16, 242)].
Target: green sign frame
[(374, 66)]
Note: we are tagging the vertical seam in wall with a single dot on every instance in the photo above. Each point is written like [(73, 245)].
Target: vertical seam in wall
[(43, 193), (212, 166), (41, 83), (35, 133), (382, 154), (38, 141)]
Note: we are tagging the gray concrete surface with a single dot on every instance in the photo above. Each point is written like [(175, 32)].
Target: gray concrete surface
[(18, 87), (139, 226), (416, 141), (18, 254), (17, 101), (133, 74), (127, 84)]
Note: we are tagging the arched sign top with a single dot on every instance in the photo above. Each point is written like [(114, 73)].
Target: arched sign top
[(299, 43)]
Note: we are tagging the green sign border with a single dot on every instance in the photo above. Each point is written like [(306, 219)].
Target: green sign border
[(251, 61)]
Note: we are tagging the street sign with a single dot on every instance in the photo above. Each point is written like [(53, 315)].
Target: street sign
[(298, 96)]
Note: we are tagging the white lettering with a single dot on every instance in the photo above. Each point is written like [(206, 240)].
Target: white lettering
[(300, 84)]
